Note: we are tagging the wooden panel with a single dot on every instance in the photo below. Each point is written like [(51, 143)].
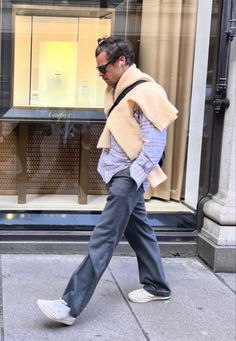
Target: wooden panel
[(8, 159), (53, 157), (95, 180), (21, 177), (49, 160)]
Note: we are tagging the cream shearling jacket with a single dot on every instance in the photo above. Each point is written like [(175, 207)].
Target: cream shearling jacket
[(151, 98)]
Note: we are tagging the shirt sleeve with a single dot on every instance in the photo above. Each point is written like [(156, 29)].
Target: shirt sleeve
[(154, 142)]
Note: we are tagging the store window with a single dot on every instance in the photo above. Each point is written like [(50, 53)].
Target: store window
[(54, 60), (51, 102)]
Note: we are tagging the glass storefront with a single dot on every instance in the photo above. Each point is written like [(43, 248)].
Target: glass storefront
[(51, 97)]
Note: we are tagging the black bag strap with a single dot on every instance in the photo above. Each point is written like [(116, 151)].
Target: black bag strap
[(124, 93), (160, 163)]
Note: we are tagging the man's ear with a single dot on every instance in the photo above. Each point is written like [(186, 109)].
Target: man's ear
[(122, 61)]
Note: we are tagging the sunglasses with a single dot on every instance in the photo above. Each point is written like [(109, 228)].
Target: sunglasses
[(103, 68)]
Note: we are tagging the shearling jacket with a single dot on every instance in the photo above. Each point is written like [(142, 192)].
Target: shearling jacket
[(151, 98)]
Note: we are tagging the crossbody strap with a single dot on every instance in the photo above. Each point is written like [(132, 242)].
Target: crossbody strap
[(124, 93)]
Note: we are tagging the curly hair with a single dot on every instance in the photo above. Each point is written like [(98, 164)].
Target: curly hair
[(114, 48)]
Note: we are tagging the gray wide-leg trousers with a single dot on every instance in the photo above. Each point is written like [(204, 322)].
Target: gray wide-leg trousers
[(124, 213)]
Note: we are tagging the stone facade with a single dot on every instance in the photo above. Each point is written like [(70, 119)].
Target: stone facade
[(217, 240)]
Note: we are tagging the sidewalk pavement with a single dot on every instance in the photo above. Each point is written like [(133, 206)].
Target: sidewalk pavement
[(202, 305)]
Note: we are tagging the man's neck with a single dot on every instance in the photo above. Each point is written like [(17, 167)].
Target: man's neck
[(124, 70)]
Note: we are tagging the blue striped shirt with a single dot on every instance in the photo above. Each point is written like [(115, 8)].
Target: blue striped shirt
[(114, 159)]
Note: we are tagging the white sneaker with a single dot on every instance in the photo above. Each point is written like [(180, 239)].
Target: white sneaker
[(142, 296), (56, 310)]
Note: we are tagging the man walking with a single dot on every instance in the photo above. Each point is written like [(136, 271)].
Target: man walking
[(132, 142)]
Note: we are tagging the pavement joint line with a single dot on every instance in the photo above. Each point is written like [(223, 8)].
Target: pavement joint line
[(1, 304), (216, 275), (223, 281), (129, 307)]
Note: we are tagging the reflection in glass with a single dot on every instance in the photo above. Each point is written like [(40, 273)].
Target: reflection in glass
[(53, 69), (54, 63)]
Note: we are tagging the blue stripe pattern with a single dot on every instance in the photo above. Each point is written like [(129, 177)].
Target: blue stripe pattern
[(114, 159)]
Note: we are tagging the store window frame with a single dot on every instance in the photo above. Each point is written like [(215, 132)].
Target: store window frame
[(174, 225)]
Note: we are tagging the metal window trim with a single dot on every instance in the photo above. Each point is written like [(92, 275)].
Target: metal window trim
[(198, 102)]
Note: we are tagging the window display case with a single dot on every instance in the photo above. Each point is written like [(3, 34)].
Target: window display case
[(51, 97), (56, 98)]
